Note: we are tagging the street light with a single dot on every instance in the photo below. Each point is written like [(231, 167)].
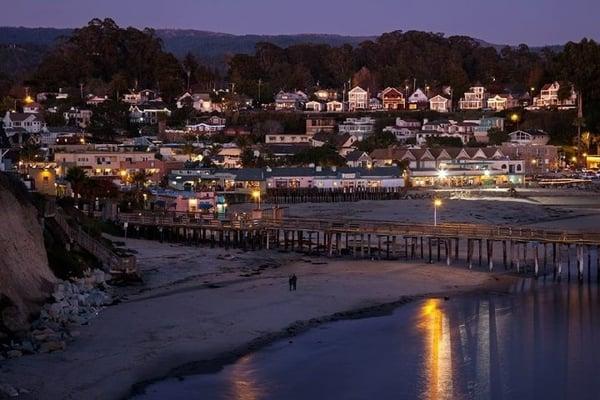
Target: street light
[(436, 203), (256, 196)]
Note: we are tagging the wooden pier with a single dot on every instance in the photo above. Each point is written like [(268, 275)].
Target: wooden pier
[(539, 252)]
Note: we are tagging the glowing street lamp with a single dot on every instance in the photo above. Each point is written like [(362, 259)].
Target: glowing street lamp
[(436, 203), (256, 197)]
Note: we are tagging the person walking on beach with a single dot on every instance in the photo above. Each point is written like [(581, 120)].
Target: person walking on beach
[(291, 282), (294, 280)]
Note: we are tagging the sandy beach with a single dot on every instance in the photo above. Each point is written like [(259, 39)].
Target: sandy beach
[(210, 307), (198, 303)]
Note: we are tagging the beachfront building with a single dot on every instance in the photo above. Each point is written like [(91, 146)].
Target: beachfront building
[(240, 183), (449, 166), (537, 159)]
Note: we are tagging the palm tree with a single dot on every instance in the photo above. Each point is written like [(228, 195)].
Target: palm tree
[(77, 177)]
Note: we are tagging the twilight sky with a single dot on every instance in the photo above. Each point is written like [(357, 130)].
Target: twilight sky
[(535, 22)]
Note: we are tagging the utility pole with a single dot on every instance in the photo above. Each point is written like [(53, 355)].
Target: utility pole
[(259, 83), (579, 123)]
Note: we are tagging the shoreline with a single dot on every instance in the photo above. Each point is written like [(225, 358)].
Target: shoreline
[(163, 332), (216, 363)]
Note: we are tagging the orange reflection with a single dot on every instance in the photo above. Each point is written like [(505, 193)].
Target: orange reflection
[(243, 382), (434, 325)]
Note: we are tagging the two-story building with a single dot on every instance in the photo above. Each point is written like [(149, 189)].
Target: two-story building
[(392, 99), (549, 97), (358, 99)]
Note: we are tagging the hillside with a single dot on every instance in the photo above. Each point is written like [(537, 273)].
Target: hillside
[(21, 49)]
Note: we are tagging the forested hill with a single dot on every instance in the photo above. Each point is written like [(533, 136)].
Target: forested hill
[(21, 48)]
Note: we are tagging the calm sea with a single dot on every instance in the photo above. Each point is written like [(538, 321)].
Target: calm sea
[(541, 341)]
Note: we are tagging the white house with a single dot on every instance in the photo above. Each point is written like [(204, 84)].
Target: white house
[(501, 102), (335, 106), (418, 100), (198, 101), (148, 113), (358, 99), (476, 99), (32, 123), (529, 137), (314, 106), (290, 100), (440, 104), (549, 97), (359, 127)]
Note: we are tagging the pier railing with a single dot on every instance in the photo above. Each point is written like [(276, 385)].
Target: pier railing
[(377, 227)]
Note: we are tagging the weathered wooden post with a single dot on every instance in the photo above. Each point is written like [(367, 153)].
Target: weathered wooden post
[(430, 250), (579, 250), (536, 266), (559, 272), (490, 254)]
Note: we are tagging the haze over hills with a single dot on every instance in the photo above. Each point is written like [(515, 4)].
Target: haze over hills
[(23, 48)]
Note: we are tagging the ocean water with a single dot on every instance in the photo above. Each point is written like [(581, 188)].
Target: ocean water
[(541, 341)]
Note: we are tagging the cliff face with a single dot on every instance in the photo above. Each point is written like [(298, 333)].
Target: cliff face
[(25, 278)]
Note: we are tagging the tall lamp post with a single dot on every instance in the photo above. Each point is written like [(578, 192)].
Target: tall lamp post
[(436, 203)]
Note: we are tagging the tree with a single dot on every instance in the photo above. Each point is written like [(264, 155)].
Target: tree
[(443, 141), (325, 156), (497, 137), (379, 140), (30, 152), (77, 177)]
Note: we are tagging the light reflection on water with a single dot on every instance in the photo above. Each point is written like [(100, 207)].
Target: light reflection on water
[(540, 342)]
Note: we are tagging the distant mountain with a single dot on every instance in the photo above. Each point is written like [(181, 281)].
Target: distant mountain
[(22, 48)]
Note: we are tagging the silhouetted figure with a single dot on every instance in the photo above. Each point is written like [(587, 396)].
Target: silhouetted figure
[(291, 282), (294, 281)]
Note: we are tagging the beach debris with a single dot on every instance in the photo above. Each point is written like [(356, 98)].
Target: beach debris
[(74, 303)]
